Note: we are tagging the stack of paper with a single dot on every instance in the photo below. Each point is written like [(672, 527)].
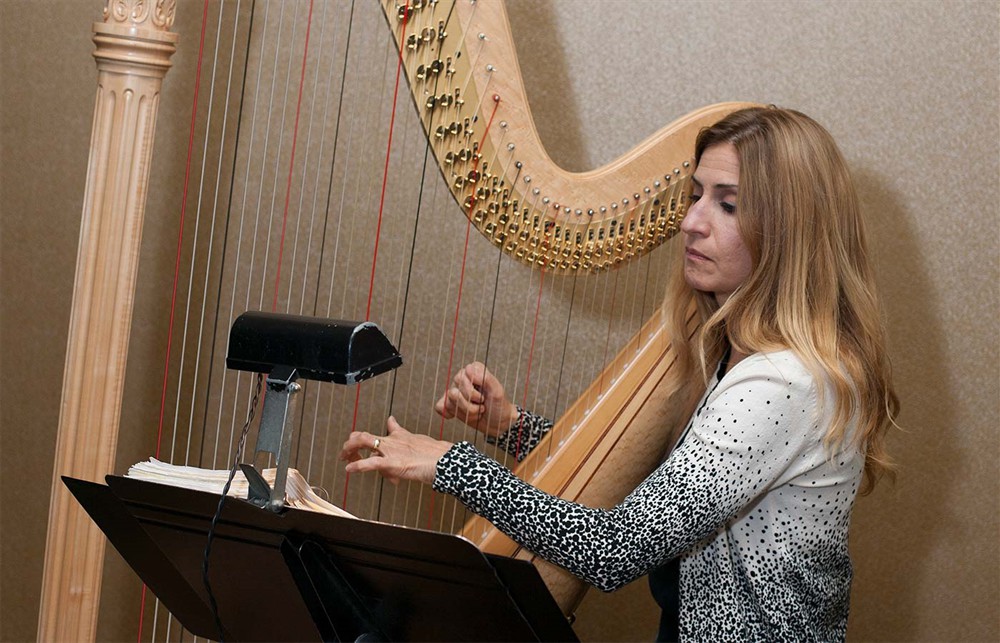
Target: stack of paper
[(298, 493)]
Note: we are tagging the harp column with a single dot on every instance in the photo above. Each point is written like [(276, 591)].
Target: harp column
[(134, 46)]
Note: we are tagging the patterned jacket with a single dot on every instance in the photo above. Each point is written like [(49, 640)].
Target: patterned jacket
[(753, 503)]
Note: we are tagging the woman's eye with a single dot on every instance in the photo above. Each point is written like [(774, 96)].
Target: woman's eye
[(695, 197), (729, 208)]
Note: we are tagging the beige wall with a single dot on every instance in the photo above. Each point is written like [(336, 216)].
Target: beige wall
[(910, 89)]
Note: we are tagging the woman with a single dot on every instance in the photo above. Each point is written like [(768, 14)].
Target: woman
[(789, 393)]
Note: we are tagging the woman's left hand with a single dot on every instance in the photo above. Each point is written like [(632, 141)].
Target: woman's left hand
[(399, 455)]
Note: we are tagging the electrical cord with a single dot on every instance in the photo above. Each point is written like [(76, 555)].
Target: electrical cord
[(218, 511)]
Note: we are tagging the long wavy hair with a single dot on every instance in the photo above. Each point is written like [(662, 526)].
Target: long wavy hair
[(811, 288)]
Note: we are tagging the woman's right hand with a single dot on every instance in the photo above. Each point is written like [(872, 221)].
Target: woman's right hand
[(477, 398)]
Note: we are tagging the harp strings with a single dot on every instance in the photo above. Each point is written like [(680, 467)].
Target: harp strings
[(316, 193), (375, 253), (337, 195), (163, 398), (321, 182), (195, 256)]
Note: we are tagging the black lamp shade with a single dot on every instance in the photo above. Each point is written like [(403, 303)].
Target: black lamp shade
[(329, 350)]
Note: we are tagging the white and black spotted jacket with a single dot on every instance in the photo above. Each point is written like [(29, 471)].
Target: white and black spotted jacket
[(751, 501)]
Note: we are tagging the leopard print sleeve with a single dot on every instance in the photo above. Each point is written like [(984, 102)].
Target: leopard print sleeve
[(523, 435), (747, 438), (584, 540)]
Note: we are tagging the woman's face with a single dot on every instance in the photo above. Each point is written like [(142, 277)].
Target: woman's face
[(715, 258)]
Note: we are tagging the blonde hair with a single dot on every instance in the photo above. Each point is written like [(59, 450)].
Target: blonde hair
[(811, 288)]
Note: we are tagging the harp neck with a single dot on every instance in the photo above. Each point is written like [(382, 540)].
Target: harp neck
[(465, 80)]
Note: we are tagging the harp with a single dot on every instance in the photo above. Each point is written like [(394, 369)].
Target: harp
[(466, 150)]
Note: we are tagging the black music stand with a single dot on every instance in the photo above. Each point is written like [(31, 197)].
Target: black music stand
[(303, 576)]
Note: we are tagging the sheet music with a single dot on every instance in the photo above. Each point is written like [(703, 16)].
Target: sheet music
[(298, 493)]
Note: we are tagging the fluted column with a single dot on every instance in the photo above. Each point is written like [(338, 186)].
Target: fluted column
[(134, 46)]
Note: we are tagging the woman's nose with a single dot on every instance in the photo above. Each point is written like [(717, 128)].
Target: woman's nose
[(693, 221)]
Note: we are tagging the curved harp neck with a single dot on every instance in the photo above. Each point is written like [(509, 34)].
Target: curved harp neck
[(462, 65)]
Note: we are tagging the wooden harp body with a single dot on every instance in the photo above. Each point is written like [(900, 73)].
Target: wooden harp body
[(470, 104)]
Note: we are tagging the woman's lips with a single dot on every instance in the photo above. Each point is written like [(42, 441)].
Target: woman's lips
[(694, 254)]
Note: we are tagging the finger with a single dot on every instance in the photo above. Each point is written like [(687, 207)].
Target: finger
[(488, 383), (356, 442), (461, 407), (477, 373), (351, 453), (349, 449), (394, 428), (468, 389), (366, 464), (442, 408)]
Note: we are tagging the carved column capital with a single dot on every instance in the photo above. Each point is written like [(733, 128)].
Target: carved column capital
[(141, 13), (134, 38)]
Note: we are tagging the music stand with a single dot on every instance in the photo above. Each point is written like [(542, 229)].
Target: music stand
[(303, 576)]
